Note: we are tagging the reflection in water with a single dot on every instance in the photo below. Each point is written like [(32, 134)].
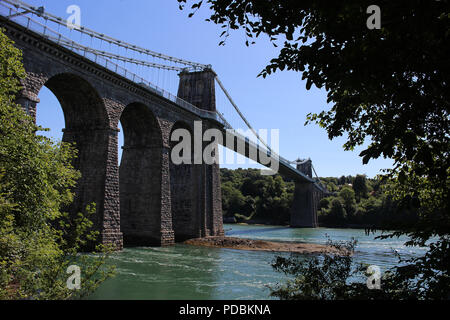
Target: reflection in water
[(188, 272)]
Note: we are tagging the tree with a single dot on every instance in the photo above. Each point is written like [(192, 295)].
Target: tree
[(324, 203), (360, 187), (388, 85), (250, 188), (342, 180), (38, 241), (337, 214), (331, 187), (399, 99), (233, 200), (323, 277), (333, 276), (256, 197), (348, 197)]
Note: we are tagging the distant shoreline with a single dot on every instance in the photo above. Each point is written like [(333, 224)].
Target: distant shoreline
[(261, 245)]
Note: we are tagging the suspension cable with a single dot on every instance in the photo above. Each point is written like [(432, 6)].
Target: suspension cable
[(240, 113), (92, 33), (254, 131), (318, 179), (102, 37), (76, 45)]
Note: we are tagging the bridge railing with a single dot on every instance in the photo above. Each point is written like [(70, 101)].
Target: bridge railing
[(12, 13)]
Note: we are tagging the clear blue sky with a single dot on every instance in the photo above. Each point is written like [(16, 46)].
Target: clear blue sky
[(279, 101)]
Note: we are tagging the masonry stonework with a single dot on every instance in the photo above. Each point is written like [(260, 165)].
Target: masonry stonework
[(134, 203), (305, 202), (198, 88)]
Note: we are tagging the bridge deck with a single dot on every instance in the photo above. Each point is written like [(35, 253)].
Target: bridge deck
[(250, 148)]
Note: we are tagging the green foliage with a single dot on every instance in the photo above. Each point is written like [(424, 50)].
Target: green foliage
[(324, 203), (337, 214), (255, 197), (324, 277), (232, 199), (360, 187), (337, 277), (37, 240), (372, 211), (331, 187), (263, 199), (11, 70), (239, 218), (398, 100), (348, 196)]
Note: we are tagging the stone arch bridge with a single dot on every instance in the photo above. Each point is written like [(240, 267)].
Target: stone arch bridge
[(148, 200)]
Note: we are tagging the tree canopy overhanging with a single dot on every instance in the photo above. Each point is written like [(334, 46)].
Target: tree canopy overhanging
[(387, 87)]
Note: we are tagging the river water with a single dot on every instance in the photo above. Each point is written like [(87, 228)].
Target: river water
[(188, 272)]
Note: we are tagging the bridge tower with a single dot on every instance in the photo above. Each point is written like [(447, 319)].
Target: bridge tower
[(199, 215), (306, 199)]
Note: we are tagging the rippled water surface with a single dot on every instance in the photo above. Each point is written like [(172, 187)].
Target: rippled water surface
[(188, 272)]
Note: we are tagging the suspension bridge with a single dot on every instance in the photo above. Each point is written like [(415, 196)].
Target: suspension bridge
[(101, 81)]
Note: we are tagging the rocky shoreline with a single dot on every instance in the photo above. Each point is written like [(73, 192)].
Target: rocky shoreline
[(260, 245)]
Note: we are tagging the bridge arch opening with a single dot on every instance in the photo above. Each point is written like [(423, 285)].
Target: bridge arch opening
[(49, 115), (81, 119), (82, 106), (185, 182), (140, 176)]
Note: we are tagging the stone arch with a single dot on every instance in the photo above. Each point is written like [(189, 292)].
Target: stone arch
[(80, 101), (140, 176), (185, 182), (87, 126)]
